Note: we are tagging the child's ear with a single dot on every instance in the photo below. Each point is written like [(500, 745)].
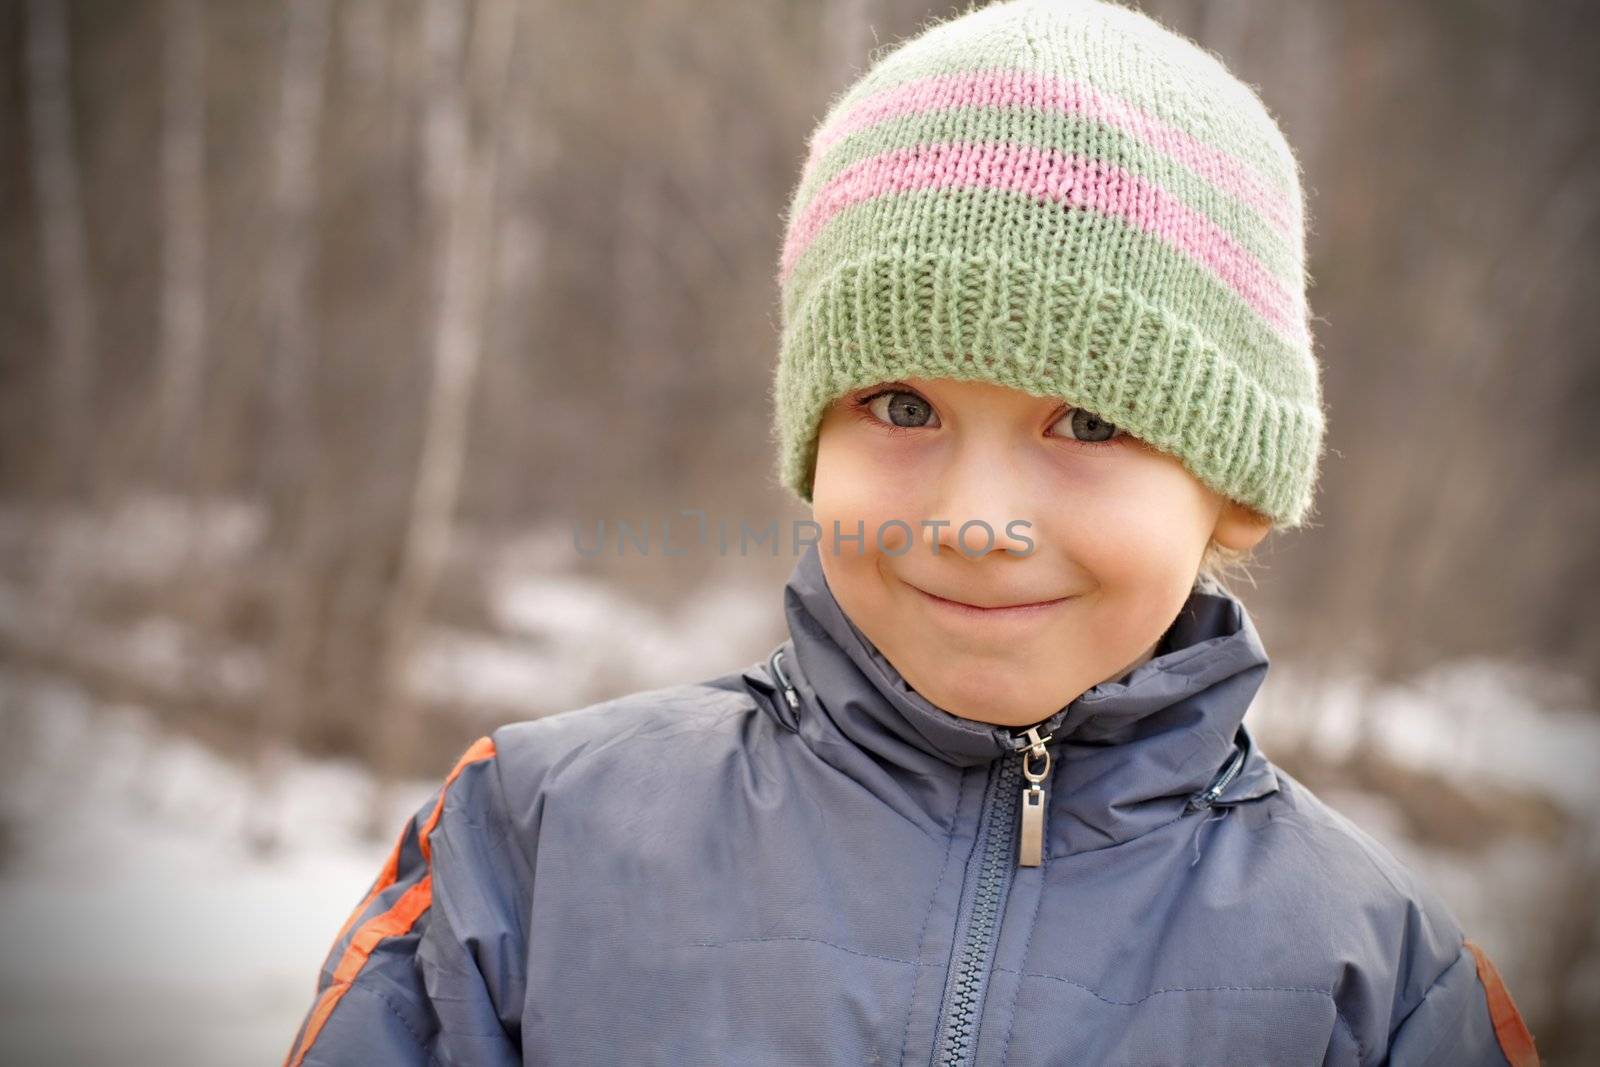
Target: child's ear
[(1240, 527)]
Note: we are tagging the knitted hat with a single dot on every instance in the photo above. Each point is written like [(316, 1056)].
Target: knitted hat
[(1064, 197)]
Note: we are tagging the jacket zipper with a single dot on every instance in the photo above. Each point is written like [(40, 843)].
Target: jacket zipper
[(1016, 783), (1016, 788), (1036, 769)]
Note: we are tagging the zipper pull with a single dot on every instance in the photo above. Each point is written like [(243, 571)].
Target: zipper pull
[(775, 665), (1030, 844)]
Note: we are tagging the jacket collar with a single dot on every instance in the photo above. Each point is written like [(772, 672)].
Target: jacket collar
[(1128, 754)]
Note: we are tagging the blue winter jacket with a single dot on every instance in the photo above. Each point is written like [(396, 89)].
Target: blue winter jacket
[(805, 862)]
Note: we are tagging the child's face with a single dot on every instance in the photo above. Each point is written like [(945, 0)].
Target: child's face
[(1118, 530)]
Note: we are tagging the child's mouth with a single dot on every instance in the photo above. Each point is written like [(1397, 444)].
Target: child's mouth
[(1001, 611)]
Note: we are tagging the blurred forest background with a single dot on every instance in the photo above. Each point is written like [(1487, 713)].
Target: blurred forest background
[(325, 322)]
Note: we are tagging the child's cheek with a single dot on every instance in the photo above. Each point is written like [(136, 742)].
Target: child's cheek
[(871, 483)]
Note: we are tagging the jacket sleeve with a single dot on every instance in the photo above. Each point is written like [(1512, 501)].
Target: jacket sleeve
[(1466, 1018), (428, 968)]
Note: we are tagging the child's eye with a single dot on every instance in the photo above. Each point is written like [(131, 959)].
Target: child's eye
[(900, 409), (1087, 427)]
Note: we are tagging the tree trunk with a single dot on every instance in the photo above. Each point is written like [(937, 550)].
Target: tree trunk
[(183, 201), (461, 171), (69, 296), (290, 452)]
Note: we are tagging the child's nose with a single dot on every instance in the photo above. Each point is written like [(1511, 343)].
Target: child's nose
[(980, 508), (981, 537)]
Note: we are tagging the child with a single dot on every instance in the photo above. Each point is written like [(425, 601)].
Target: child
[(1045, 358)]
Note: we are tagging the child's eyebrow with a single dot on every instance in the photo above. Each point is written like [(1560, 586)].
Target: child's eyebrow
[(880, 386)]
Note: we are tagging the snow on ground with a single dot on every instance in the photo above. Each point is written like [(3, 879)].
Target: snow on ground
[(1469, 721), (137, 927), (570, 641), (561, 640)]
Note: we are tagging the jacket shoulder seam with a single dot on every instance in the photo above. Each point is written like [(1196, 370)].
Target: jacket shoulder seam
[(1405, 1015), (1433, 982), (506, 831), (394, 1009), (1341, 824), (689, 715)]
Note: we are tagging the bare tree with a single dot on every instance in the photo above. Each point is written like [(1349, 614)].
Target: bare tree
[(183, 232), (65, 468), (641, 254), (69, 294), (462, 172), (290, 453)]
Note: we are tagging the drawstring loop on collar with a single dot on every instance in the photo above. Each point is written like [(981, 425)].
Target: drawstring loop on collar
[(1208, 796), (1200, 829)]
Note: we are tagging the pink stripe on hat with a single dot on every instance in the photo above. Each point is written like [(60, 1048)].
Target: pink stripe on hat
[(1013, 88), (1066, 178)]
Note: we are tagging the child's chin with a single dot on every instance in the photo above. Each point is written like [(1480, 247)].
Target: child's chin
[(987, 695)]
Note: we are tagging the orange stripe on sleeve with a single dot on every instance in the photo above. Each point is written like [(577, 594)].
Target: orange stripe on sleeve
[(392, 923), (386, 878), (1509, 1029)]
